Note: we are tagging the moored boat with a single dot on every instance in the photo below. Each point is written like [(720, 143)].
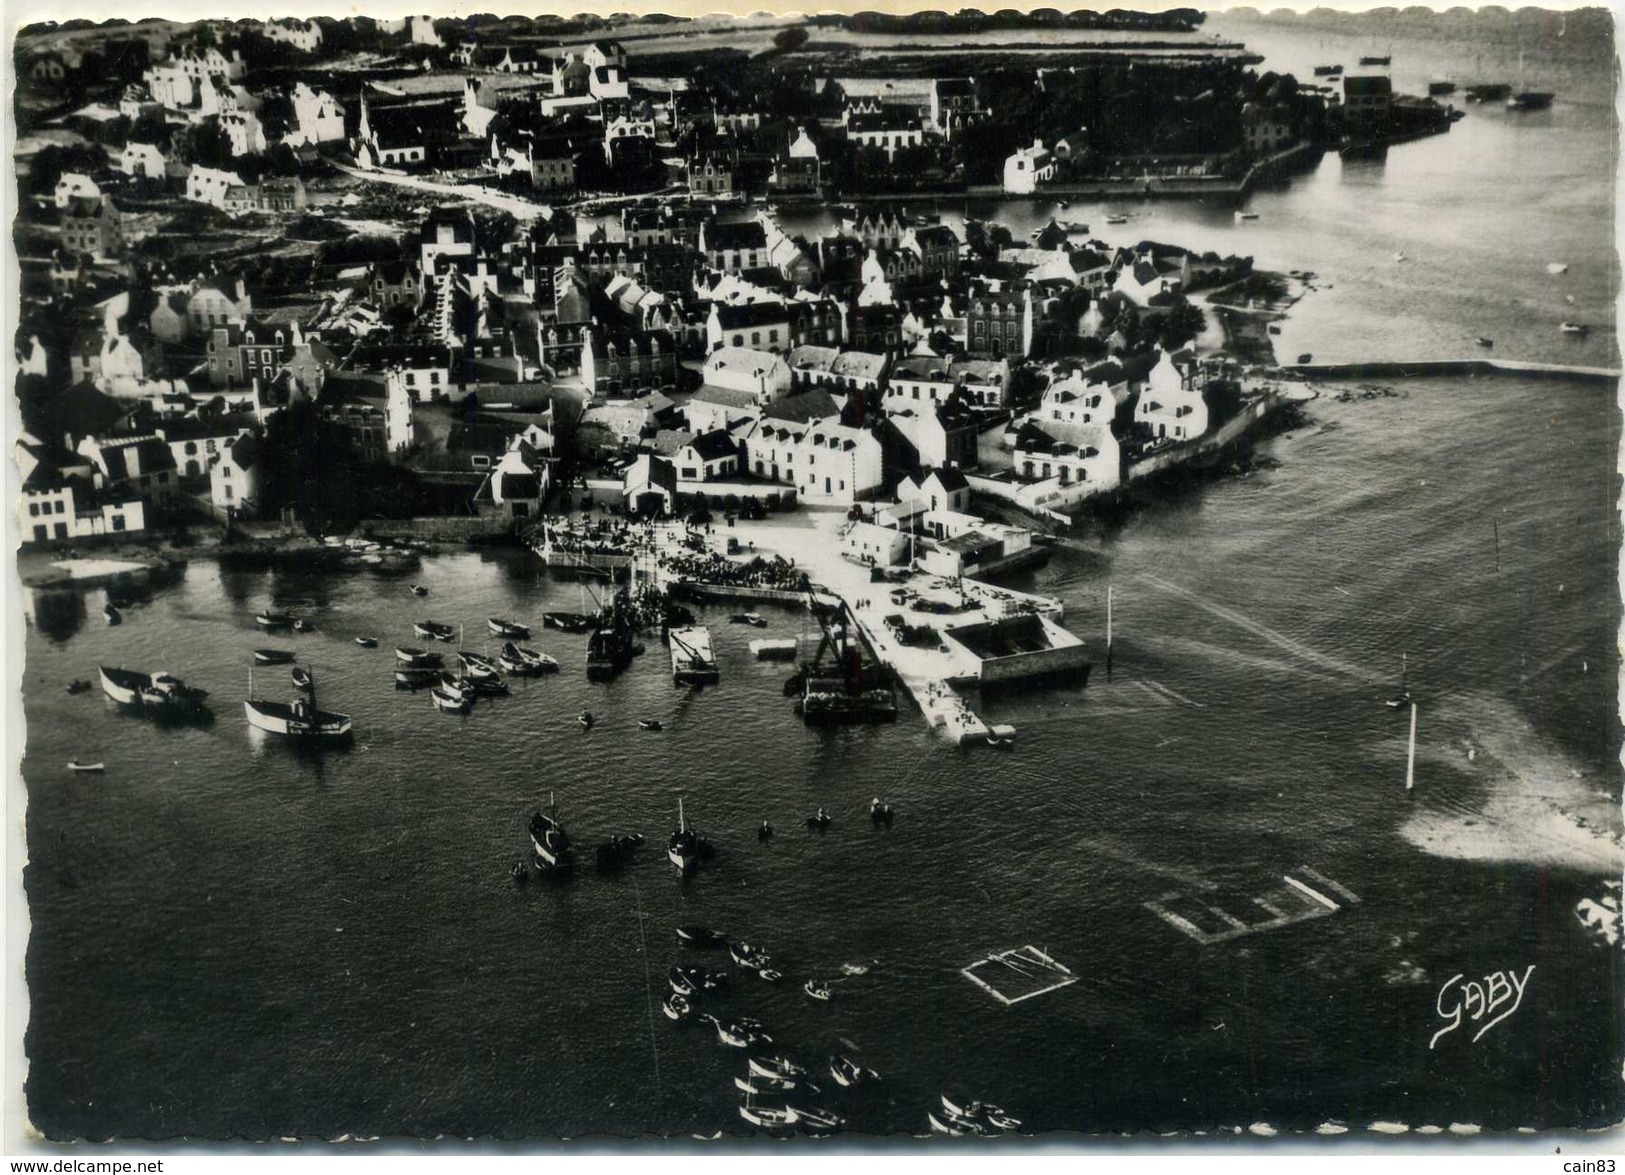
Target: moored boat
[(847, 1072), (414, 679), (819, 989), (269, 619), (299, 719), (419, 658), (302, 679), (687, 849), (701, 936), (1376, 60), (91, 768), (478, 666), (818, 1121), (507, 629), (650, 724), (747, 956), (1530, 100), (676, 1007), (1575, 328), (775, 1066), (769, 1117), (450, 702), (273, 657), (554, 853), (159, 693), (79, 685), (367, 642), (617, 851), (112, 614), (433, 630), (568, 621)]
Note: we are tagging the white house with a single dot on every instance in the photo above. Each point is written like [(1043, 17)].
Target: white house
[(873, 545), (1028, 168), (73, 185), (234, 477), (827, 461), (318, 117), (1086, 456), (707, 457), (209, 185), (936, 489), (398, 400), (760, 373), (1171, 404), (141, 160)]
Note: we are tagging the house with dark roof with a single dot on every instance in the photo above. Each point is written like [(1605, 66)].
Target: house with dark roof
[(613, 361), (756, 325), (707, 457), (734, 246), (714, 407), (90, 224), (937, 489), (143, 464)]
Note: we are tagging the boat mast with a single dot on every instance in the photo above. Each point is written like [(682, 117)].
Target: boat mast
[(682, 825), (1410, 756), (1108, 632)]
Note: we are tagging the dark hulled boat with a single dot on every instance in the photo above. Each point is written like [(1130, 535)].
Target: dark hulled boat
[(551, 843)]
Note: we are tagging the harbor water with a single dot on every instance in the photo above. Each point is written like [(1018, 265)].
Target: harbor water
[(231, 938)]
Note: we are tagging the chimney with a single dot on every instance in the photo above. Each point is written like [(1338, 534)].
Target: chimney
[(242, 290)]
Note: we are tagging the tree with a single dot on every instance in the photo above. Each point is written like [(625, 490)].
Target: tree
[(790, 39)]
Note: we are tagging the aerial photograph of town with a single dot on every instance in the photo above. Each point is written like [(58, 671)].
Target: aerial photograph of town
[(950, 576)]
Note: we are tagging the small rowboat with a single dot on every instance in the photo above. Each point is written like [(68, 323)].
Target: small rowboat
[(273, 657), (301, 679), (764, 1086), (367, 642), (781, 1067), (507, 629), (586, 719), (112, 614), (769, 974), (433, 630), (273, 620), (419, 590), (819, 989), (303, 626), (701, 936), (848, 1072), (676, 1006), (819, 1121), (78, 686), (75, 765), (650, 724)]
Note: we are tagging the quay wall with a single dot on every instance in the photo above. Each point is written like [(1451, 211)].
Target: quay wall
[(1433, 367), (447, 529), (1227, 433)]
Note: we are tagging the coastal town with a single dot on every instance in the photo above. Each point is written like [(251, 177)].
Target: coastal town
[(452, 281), (767, 431)]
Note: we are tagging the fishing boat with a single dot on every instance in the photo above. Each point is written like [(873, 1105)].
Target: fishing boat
[(299, 719), (302, 679), (471, 686), (737, 1034), (610, 643), (273, 657), (1578, 329), (687, 848), (162, 694), (478, 667), (569, 621), (990, 1116), (112, 614), (945, 1123), (548, 838), (650, 724), (431, 630), (818, 989), (755, 1083), (415, 679), (819, 1121), (749, 957), (418, 658), (617, 851), (846, 1072), (775, 1066), (676, 1007), (451, 702), (769, 1117), (273, 620), (1530, 100), (507, 629), (367, 642), (525, 662), (701, 936), (92, 768)]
